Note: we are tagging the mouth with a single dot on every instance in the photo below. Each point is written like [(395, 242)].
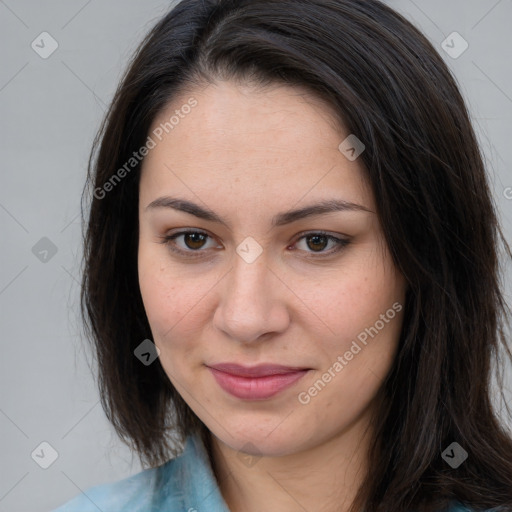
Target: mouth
[(257, 382)]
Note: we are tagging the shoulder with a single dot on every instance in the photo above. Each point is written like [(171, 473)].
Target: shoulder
[(185, 483), (137, 493), (130, 494)]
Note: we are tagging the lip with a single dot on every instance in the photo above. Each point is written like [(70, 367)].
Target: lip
[(256, 382)]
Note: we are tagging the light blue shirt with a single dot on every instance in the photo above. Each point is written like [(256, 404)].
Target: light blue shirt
[(183, 484)]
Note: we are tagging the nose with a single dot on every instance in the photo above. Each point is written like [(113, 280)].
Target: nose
[(253, 302)]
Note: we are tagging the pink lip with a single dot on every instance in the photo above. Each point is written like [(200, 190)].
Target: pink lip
[(257, 382)]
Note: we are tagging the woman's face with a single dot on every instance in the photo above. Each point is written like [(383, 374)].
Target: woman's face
[(258, 284)]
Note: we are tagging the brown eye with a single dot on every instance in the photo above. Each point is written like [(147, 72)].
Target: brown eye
[(191, 244), (194, 240), (317, 242)]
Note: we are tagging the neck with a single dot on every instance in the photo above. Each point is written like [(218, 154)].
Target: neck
[(325, 477)]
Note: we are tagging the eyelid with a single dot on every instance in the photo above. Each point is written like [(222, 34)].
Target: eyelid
[(341, 241), (169, 238)]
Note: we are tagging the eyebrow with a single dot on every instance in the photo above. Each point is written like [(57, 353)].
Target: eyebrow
[(320, 208)]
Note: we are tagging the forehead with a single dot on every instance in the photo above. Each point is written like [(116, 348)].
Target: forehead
[(239, 115), (277, 140)]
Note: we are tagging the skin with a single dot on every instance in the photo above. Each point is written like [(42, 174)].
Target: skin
[(249, 153)]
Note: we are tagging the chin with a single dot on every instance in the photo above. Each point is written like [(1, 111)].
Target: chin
[(257, 442)]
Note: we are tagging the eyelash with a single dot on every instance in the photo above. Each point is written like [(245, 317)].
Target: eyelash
[(169, 239)]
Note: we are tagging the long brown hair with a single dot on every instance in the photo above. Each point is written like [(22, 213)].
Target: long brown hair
[(389, 86)]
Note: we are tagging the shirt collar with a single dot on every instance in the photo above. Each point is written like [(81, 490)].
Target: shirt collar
[(190, 480)]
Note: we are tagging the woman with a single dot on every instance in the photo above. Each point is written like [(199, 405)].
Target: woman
[(291, 269)]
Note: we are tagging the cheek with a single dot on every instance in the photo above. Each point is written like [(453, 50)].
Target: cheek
[(350, 378), (344, 304), (361, 311), (157, 292), (169, 313), (169, 299)]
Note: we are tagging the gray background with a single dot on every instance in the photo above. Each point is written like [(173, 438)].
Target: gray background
[(50, 109)]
